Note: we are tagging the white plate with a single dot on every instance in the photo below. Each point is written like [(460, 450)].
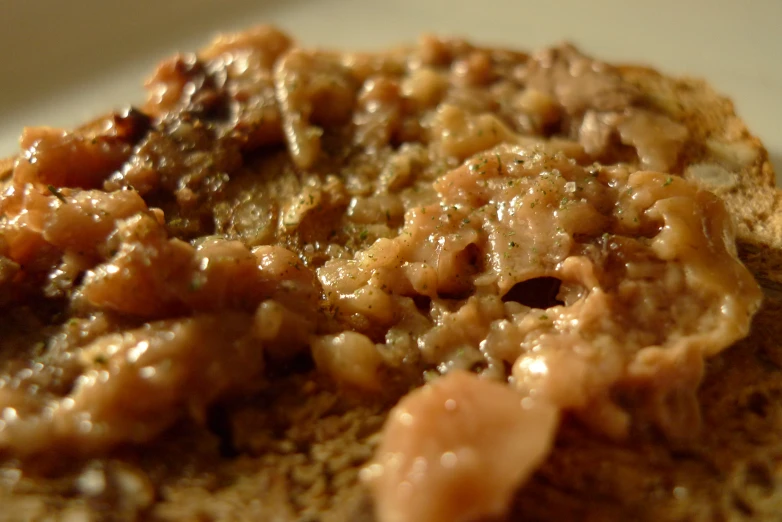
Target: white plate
[(63, 62)]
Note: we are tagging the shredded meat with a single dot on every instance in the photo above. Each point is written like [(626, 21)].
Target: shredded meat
[(641, 301), (511, 228), (132, 385)]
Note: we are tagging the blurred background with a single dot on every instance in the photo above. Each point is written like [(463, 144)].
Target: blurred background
[(63, 62)]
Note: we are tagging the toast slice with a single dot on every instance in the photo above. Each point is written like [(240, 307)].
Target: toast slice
[(252, 126)]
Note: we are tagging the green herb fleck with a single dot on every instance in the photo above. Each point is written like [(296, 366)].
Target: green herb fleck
[(430, 375), (38, 349), (57, 194), (197, 282), (477, 166), (668, 181), (363, 235)]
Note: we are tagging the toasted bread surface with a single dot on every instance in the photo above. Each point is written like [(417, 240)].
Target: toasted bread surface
[(302, 442)]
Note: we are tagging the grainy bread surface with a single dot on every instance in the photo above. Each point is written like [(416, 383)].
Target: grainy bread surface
[(303, 464), (730, 471), (296, 447), (722, 138)]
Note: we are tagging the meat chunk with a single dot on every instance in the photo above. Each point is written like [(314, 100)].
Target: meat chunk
[(457, 449)]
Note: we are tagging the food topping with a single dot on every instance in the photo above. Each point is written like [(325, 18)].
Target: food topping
[(512, 230)]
